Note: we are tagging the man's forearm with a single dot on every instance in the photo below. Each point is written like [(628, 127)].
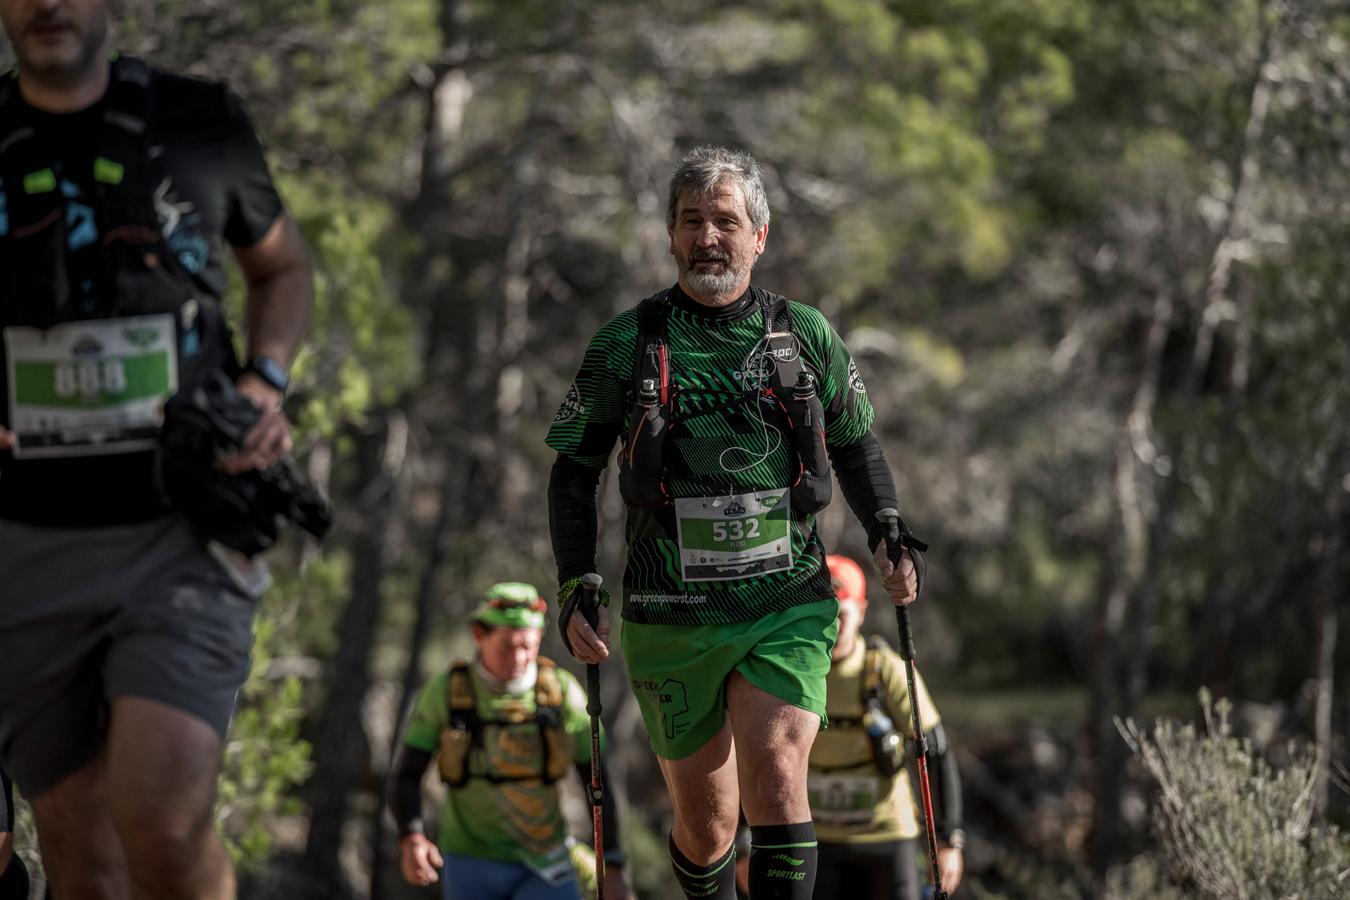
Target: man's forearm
[(948, 810), (571, 516), (866, 482), (280, 293), (405, 792)]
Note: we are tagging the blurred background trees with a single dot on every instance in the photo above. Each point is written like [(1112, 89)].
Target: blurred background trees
[(1090, 257)]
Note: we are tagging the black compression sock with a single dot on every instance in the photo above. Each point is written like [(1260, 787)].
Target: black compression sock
[(14, 880), (782, 861), (715, 881)]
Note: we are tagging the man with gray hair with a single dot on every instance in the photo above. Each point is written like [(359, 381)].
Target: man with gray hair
[(731, 404)]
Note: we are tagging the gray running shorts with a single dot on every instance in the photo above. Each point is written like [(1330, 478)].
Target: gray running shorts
[(87, 615)]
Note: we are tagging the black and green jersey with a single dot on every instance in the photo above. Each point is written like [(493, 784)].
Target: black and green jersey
[(728, 439)]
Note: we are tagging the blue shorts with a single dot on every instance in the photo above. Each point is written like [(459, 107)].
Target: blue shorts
[(470, 878)]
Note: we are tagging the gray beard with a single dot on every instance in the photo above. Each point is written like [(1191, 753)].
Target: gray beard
[(714, 285)]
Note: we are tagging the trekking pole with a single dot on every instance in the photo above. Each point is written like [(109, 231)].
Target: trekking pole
[(590, 610), (897, 544)]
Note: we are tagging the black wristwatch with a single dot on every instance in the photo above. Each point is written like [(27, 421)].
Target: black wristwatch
[(270, 371)]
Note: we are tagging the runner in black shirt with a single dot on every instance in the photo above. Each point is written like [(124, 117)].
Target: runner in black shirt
[(125, 635)]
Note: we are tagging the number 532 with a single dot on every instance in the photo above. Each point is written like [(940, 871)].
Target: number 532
[(735, 530)]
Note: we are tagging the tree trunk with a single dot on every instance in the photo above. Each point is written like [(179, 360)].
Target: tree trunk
[(1159, 490), (1127, 560), (424, 623), (448, 90), (338, 741), (1330, 590)]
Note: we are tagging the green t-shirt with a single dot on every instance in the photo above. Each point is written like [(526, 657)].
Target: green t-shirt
[(726, 443), (851, 802), (514, 821)]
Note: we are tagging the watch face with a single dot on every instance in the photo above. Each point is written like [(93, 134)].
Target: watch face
[(270, 371)]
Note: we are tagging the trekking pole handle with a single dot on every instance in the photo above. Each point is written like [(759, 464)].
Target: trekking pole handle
[(590, 589), (895, 551), (590, 610), (895, 542)]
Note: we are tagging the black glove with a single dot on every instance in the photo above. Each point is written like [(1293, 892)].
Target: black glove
[(246, 512)]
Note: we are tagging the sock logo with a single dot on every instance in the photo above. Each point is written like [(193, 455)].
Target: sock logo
[(783, 857)]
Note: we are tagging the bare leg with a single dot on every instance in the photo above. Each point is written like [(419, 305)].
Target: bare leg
[(81, 851), (703, 791), (162, 769), (772, 741)]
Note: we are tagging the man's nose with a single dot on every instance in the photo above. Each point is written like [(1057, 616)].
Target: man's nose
[(708, 235)]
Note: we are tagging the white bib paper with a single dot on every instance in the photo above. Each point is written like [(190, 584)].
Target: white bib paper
[(732, 537), (90, 388)]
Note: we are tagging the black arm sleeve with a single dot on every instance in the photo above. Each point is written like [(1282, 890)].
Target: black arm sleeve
[(866, 481), (571, 517), (609, 813), (947, 810), (405, 791), (6, 804)]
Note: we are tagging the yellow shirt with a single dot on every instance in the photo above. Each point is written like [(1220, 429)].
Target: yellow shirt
[(851, 802)]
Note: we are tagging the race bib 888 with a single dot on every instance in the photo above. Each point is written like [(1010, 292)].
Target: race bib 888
[(86, 388)]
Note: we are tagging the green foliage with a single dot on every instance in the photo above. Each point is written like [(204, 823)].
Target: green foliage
[(1141, 879), (1232, 826), (361, 353), (985, 197), (265, 758), (648, 869)]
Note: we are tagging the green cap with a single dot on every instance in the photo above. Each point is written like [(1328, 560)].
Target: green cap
[(511, 604)]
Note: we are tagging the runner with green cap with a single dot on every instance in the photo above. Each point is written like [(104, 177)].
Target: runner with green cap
[(503, 729)]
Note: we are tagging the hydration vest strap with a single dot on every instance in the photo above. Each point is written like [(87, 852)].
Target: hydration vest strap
[(461, 701), (462, 704), (653, 355), (125, 178), (780, 341), (870, 684)]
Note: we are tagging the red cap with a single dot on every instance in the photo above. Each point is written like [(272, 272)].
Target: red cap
[(850, 586)]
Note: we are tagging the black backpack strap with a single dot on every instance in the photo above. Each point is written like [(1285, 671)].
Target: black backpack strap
[(26, 176), (123, 171), (652, 357), (642, 461), (776, 309), (781, 340)]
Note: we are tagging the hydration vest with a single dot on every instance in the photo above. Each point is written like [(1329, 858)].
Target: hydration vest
[(464, 731), (791, 387), (883, 747), (134, 271)]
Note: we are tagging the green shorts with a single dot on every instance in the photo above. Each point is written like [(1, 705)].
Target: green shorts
[(679, 672)]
